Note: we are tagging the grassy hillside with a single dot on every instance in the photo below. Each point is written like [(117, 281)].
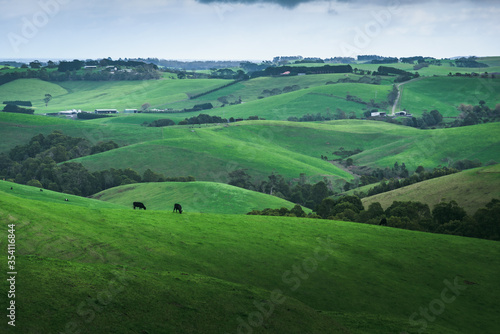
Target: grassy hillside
[(18, 129), (33, 193), (446, 93), (90, 95), (323, 99), (219, 150), (100, 270), (288, 148), (202, 197), (471, 189)]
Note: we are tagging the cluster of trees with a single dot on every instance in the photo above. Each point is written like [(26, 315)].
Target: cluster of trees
[(366, 79), (226, 99), (38, 164), (469, 115), (222, 73), (57, 146), (481, 113), (191, 65), (445, 217), (402, 75), (198, 107), (17, 109), (395, 183), (295, 70), (469, 62), (310, 61), (88, 115), (277, 91), (71, 71), (19, 103), (160, 123), (308, 195), (296, 211), (386, 60), (369, 57), (340, 60), (203, 119), (398, 176)]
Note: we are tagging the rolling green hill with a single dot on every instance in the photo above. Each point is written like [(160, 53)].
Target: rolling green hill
[(202, 197), (184, 150), (33, 193), (90, 95), (446, 93), (98, 270), (287, 148), (471, 189)]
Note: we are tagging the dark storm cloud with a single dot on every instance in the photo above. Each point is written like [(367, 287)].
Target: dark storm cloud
[(294, 3)]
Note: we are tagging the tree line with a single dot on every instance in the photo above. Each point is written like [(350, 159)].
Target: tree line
[(305, 194), (43, 163), (444, 218), (142, 72)]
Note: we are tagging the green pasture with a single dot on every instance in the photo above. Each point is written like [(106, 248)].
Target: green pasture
[(431, 148), (201, 197), (101, 270), (18, 129), (321, 99), (209, 154), (34, 193), (252, 90), (471, 189), (446, 93), (90, 95)]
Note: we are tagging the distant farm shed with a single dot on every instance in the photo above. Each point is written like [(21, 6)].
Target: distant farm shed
[(403, 113), (105, 111)]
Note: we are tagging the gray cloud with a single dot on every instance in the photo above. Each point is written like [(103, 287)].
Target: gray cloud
[(294, 3), (283, 3)]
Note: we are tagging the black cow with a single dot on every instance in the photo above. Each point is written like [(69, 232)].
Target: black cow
[(177, 207), (139, 205)]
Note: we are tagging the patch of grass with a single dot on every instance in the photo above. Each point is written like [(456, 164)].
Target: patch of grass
[(118, 271), (203, 197), (446, 93), (471, 189)]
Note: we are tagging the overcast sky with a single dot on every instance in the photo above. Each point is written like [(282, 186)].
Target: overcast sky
[(247, 29)]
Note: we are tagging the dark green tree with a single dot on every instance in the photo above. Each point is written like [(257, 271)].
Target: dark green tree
[(445, 212)]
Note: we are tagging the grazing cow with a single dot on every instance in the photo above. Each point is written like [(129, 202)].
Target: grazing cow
[(383, 222), (41, 189), (139, 205), (177, 207), (11, 188), (66, 200)]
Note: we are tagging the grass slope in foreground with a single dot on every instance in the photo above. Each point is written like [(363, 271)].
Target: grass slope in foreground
[(124, 271), (202, 197), (471, 189)]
